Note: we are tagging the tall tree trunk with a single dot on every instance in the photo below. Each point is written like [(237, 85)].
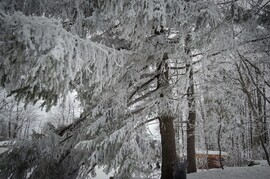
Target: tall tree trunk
[(191, 114), (265, 119), (166, 125), (191, 143), (251, 131), (168, 146), (9, 130), (219, 144), (204, 133), (16, 124), (10, 123)]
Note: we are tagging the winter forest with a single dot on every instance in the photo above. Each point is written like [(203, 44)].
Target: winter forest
[(133, 87)]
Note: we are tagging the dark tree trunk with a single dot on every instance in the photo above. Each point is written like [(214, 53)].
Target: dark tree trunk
[(266, 140), (168, 146), (191, 132), (9, 129), (191, 143), (219, 145), (251, 130), (191, 114), (166, 125)]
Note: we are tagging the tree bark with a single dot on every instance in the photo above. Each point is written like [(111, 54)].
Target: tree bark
[(266, 140), (191, 114), (166, 125), (219, 145), (191, 134), (191, 143), (168, 146)]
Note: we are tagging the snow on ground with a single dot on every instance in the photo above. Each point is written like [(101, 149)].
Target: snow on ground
[(261, 171), (210, 152), (3, 149), (101, 174), (4, 146)]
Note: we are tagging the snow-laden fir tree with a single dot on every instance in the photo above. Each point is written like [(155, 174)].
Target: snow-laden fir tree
[(122, 58)]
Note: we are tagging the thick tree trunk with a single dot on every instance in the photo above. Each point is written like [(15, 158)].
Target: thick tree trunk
[(166, 125), (192, 112), (168, 146), (191, 143), (191, 124)]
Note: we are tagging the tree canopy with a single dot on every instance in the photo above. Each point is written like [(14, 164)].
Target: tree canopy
[(131, 62)]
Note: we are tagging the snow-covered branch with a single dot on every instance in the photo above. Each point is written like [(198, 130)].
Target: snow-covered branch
[(45, 58)]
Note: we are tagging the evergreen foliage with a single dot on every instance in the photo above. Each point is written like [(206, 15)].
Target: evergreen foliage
[(130, 62)]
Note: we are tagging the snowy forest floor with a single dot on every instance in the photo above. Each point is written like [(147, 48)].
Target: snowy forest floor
[(261, 171)]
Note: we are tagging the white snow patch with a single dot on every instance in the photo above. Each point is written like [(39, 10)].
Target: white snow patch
[(171, 36), (210, 152), (3, 149), (4, 146), (261, 171), (101, 174), (153, 129)]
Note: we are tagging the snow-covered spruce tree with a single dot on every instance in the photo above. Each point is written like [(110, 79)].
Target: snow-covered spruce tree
[(117, 56)]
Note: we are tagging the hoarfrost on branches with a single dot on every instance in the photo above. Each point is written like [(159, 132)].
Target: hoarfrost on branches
[(55, 58), (130, 62)]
